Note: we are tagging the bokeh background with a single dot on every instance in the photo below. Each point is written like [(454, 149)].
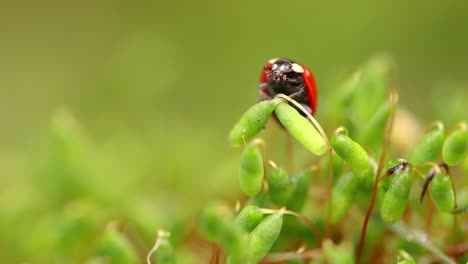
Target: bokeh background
[(147, 91)]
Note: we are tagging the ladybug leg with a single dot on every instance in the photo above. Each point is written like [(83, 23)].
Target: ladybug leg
[(263, 88), (298, 93)]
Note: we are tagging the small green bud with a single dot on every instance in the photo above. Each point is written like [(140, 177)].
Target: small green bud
[(165, 253), (252, 122), (251, 170), (442, 193), (334, 254), (455, 147), (373, 87), (212, 218), (234, 241), (300, 191), (404, 258), (350, 151), (264, 235), (301, 129), (372, 131), (116, 248), (261, 200), (249, 217), (395, 199), (217, 224), (430, 146), (344, 194), (407, 261), (279, 186)]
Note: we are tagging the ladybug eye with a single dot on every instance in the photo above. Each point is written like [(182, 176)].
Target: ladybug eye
[(274, 66), (285, 68)]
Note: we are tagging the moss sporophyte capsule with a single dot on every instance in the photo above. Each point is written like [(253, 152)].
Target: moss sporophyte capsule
[(350, 151), (252, 122), (430, 146), (301, 129), (251, 170), (264, 235), (218, 225), (279, 185), (455, 147), (396, 198), (249, 217)]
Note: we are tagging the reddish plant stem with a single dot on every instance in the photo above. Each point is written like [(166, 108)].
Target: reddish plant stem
[(308, 222), (215, 252), (386, 138), (428, 218)]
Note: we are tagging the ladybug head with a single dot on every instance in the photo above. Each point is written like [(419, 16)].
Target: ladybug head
[(281, 67)]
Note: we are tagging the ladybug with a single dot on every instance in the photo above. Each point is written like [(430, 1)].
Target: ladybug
[(287, 77)]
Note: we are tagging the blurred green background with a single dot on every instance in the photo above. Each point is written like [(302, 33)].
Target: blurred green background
[(155, 86)]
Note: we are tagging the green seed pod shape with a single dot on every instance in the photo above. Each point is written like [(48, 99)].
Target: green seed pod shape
[(385, 183), (373, 130), (116, 248), (395, 199), (252, 122), (372, 91), (344, 193), (251, 170), (337, 254), (165, 253), (249, 217), (442, 193), (261, 200), (263, 236), (212, 218), (279, 186), (301, 129), (218, 225), (300, 192), (429, 147), (350, 151), (407, 261), (234, 241), (455, 147)]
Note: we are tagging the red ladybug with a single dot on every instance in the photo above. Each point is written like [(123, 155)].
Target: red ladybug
[(289, 78)]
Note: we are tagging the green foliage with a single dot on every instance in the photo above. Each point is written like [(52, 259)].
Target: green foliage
[(396, 198), (350, 151), (430, 146), (249, 217), (279, 186), (165, 253), (442, 193), (218, 225), (455, 147), (301, 129), (344, 194), (252, 122), (301, 183), (114, 247), (264, 235), (337, 254), (251, 170), (79, 195)]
